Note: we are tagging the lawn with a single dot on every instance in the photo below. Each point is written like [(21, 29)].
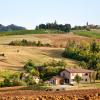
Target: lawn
[(91, 85)]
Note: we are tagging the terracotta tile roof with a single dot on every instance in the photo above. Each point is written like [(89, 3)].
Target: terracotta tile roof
[(57, 77), (78, 70)]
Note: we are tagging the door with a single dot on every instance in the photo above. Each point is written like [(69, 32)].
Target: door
[(66, 80)]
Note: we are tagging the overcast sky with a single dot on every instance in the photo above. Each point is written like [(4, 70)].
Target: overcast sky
[(29, 13)]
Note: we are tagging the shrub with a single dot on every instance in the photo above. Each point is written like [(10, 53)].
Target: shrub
[(28, 43), (77, 79), (55, 63), (7, 82), (34, 72), (19, 83), (29, 66)]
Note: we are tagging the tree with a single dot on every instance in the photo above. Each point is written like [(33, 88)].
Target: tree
[(29, 66), (67, 27), (89, 57), (34, 72), (55, 26), (94, 47), (42, 26), (77, 79), (83, 64)]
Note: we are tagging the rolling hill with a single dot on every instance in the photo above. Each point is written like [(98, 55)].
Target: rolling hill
[(95, 33), (39, 55)]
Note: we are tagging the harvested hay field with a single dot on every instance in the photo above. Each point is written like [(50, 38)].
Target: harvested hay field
[(57, 40), (89, 94), (15, 61)]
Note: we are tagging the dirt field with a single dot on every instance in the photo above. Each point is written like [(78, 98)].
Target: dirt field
[(88, 94)]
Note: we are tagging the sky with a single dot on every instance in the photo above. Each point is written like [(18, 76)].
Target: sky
[(29, 13)]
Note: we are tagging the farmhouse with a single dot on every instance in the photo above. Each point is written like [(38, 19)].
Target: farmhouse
[(67, 76)]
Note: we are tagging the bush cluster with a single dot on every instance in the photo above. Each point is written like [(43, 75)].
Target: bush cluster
[(89, 56), (28, 43), (12, 80), (49, 69)]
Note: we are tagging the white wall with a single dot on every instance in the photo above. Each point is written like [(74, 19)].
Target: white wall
[(71, 76), (82, 75)]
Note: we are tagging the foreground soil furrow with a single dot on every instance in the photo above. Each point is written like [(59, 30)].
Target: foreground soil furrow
[(88, 94)]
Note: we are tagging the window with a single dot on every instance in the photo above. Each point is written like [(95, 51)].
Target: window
[(86, 80), (63, 74), (86, 74), (53, 81)]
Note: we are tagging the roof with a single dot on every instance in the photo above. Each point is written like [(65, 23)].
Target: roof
[(78, 70), (56, 77)]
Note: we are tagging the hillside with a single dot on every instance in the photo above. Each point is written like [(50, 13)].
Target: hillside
[(23, 32), (95, 33), (11, 27), (14, 60)]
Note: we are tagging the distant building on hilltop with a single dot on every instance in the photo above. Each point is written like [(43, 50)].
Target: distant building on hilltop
[(92, 26)]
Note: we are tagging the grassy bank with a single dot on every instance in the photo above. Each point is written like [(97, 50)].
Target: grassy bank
[(93, 34), (23, 32)]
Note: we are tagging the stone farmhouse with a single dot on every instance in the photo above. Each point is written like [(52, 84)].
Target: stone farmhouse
[(67, 76)]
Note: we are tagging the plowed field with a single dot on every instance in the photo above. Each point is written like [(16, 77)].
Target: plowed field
[(89, 94)]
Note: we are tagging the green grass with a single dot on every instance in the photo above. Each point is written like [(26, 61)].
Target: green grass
[(4, 73), (90, 85), (23, 32), (92, 34)]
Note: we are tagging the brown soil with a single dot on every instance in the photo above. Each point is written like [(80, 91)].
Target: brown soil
[(88, 94)]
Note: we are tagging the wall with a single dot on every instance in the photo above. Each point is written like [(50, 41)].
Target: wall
[(84, 77)]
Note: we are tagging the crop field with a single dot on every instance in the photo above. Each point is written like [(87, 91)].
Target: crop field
[(88, 94), (23, 32), (14, 60), (93, 33), (57, 40)]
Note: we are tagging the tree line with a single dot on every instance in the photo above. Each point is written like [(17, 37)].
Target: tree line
[(55, 26), (88, 55), (25, 42)]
